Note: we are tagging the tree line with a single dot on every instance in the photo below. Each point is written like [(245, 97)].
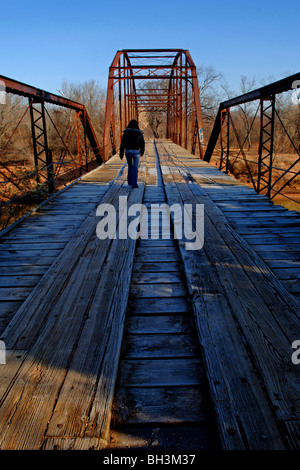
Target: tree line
[(213, 90)]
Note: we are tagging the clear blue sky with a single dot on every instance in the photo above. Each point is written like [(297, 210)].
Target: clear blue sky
[(43, 43)]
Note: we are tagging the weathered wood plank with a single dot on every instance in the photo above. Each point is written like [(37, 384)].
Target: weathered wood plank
[(26, 261), (155, 277), (154, 250), (163, 266), (6, 255), (156, 258), (293, 432), (161, 372), (195, 438), (86, 409), (241, 216), (14, 293), (34, 270), (159, 345), (236, 398), (14, 360), (50, 332), (18, 281), (287, 273), (142, 324), (265, 222), (158, 306), (73, 444), (282, 304), (60, 270), (161, 242), (33, 246), (8, 308), (170, 405), (157, 290)]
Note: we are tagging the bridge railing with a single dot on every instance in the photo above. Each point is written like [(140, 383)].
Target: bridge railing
[(273, 167), (63, 146)]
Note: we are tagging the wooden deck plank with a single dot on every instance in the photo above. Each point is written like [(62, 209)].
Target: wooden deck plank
[(161, 372), (14, 293), (170, 405), (96, 339), (233, 204), (158, 290), (195, 438), (159, 345), (156, 258), (159, 324), (25, 260), (210, 304), (155, 277), (35, 245), (55, 351), (58, 388), (18, 281), (159, 305), (158, 337), (163, 266)]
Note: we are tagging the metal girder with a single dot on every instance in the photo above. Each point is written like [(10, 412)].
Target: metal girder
[(42, 154), (41, 96), (265, 177), (179, 99), (263, 93), (225, 129), (265, 156), (22, 89)]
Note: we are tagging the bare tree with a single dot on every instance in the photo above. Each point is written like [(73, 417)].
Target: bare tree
[(15, 136), (211, 92), (245, 114), (93, 96)]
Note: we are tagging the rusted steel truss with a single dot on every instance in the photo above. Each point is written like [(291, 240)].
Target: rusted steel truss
[(262, 172), (45, 171), (157, 81)]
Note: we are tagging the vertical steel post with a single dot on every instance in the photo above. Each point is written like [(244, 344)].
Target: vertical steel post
[(180, 102), (224, 140), (120, 103), (186, 104), (42, 156), (50, 172), (35, 152), (266, 144)]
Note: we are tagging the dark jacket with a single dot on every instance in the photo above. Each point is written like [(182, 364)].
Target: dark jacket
[(132, 139)]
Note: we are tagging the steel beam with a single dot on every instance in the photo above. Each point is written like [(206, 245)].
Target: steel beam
[(263, 93), (41, 96), (178, 69)]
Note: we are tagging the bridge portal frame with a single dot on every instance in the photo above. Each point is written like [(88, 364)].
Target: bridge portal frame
[(180, 100)]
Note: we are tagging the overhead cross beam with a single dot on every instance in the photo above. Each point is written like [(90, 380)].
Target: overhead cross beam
[(178, 97)]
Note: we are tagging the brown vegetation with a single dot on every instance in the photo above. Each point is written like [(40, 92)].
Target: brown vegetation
[(21, 189), (22, 184)]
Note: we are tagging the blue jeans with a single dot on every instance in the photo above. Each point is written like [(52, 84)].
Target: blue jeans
[(133, 158)]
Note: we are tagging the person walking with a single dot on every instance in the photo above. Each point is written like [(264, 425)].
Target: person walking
[(133, 144)]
